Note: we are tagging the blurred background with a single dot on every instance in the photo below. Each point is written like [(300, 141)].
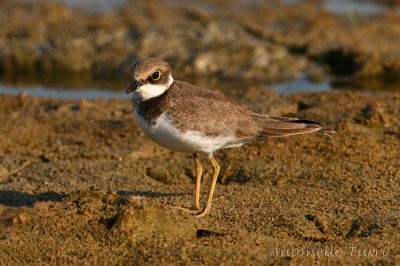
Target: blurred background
[(84, 48)]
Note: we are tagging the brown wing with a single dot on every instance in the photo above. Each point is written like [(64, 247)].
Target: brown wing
[(276, 126), (208, 111), (215, 114)]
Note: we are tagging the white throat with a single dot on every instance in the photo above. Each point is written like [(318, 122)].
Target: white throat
[(149, 91)]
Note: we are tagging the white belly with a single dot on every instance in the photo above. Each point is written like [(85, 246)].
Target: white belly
[(164, 133)]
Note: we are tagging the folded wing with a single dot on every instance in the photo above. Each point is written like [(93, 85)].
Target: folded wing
[(276, 126)]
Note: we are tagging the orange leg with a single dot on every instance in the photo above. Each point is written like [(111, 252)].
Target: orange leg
[(207, 208), (199, 173), (203, 212)]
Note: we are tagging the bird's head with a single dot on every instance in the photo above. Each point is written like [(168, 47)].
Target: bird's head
[(151, 78)]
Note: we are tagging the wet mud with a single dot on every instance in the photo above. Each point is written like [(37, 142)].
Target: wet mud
[(79, 182)]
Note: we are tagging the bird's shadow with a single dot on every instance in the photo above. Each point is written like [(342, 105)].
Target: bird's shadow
[(148, 194), (22, 199)]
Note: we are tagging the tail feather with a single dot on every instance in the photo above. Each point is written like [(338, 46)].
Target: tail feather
[(276, 126), (328, 133), (291, 119)]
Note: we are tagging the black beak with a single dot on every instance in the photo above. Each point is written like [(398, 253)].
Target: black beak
[(134, 86)]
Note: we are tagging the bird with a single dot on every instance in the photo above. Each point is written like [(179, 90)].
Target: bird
[(186, 118)]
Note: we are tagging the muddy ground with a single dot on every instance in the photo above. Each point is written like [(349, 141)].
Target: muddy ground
[(80, 183)]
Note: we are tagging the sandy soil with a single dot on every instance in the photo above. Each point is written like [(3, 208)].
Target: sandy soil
[(80, 183)]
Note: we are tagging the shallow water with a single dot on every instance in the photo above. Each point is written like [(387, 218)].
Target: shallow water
[(61, 93), (95, 5), (335, 6), (301, 84), (117, 91), (359, 7)]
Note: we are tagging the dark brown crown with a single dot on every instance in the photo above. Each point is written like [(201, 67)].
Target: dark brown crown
[(144, 68)]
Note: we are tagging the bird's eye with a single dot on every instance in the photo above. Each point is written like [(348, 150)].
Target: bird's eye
[(156, 75)]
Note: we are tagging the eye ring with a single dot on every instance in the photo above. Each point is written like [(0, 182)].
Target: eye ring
[(156, 75)]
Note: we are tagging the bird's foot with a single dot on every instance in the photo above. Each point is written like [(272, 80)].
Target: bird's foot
[(192, 211), (195, 212), (203, 212)]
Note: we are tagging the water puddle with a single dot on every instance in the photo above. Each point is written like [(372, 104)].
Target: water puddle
[(116, 90), (61, 93), (301, 84), (362, 7), (95, 5)]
